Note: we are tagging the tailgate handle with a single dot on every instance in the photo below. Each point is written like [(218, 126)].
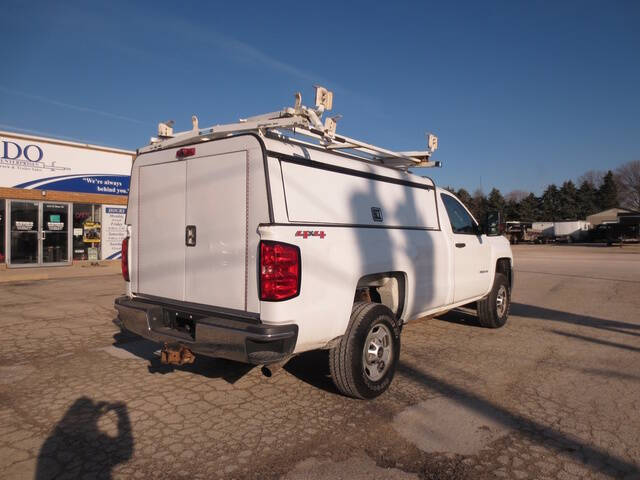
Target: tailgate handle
[(461, 245), (190, 236)]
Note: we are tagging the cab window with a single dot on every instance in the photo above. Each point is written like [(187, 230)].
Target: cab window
[(461, 221)]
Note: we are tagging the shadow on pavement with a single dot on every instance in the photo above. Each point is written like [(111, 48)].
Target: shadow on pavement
[(228, 370), (540, 313), (78, 447), (591, 456), (596, 341), (460, 317), (313, 368)]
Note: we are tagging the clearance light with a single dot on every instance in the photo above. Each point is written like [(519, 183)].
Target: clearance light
[(186, 152), (280, 271)]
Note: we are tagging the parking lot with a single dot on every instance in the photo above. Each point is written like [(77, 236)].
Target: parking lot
[(553, 394)]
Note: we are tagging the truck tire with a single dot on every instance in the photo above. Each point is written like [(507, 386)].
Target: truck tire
[(493, 310), (363, 363)]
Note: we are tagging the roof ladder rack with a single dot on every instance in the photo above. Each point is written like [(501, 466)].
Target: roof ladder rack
[(297, 120)]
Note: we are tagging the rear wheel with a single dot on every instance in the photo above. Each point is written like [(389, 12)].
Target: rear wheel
[(364, 361), (493, 310)]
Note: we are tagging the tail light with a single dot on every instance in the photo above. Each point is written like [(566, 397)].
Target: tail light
[(280, 271), (186, 152), (125, 259)]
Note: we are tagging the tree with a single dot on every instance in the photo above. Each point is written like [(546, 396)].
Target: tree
[(465, 198), (530, 208), (479, 205), (550, 201), (587, 200), (512, 211), (495, 200), (568, 201), (516, 196), (594, 177), (628, 180), (608, 192)]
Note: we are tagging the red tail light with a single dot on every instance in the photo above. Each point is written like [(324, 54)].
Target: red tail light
[(186, 152), (125, 259), (280, 271)]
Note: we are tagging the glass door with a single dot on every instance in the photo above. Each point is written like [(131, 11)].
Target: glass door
[(39, 233), (24, 226), (55, 232)]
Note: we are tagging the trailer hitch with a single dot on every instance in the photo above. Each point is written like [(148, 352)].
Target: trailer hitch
[(176, 355)]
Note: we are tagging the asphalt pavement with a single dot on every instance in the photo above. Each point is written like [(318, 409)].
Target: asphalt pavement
[(553, 394)]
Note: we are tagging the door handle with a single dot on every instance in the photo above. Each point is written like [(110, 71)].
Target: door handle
[(461, 245), (190, 236)]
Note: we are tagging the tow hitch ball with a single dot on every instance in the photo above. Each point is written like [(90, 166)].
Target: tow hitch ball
[(176, 355)]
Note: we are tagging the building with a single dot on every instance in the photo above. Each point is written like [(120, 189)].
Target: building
[(61, 201), (606, 216)]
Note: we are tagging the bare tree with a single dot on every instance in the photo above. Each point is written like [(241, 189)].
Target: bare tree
[(516, 196), (628, 179), (592, 177)]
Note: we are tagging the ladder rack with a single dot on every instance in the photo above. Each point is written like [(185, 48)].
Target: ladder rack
[(297, 120)]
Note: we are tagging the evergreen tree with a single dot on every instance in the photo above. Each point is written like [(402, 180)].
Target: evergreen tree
[(495, 201), (550, 204), (479, 205), (568, 201), (512, 211), (465, 198), (529, 208), (587, 200), (608, 192)]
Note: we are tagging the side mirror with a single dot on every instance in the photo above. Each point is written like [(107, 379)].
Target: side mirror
[(492, 224)]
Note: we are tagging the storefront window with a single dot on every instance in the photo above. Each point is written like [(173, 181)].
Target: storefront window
[(2, 229), (86, 231)]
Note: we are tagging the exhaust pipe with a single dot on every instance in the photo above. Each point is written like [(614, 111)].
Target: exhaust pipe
[(271, 369)]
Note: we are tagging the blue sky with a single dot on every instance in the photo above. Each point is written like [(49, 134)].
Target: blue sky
[(521, 94)]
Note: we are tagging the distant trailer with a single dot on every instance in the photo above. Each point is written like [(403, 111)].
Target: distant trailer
[(544, 228), (573, 231)]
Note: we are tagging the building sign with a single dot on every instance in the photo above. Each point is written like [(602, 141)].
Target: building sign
[(35, 164), (114, 229)]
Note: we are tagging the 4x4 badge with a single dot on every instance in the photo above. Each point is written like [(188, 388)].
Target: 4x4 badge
[(310, 233)]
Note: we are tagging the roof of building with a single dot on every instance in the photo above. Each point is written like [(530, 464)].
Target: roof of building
[(56, 141)]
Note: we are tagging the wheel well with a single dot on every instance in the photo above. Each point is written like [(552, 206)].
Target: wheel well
[(503, 265), (387, 288)]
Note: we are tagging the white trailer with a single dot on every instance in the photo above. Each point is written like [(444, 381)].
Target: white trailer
[(544, 228), (570, 231)]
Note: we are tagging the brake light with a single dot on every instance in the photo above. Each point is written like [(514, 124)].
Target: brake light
[(186, 152), (280, 271), (125, 259)]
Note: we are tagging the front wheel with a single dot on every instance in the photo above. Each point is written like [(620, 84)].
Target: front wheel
[(364, 361), (493, 310)]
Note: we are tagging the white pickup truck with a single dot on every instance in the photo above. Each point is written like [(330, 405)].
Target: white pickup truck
[(246, 242)]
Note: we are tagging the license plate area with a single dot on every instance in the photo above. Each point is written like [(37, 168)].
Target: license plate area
[(181, 322)]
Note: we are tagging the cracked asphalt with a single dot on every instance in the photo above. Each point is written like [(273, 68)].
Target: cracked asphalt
[(553, 394)]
